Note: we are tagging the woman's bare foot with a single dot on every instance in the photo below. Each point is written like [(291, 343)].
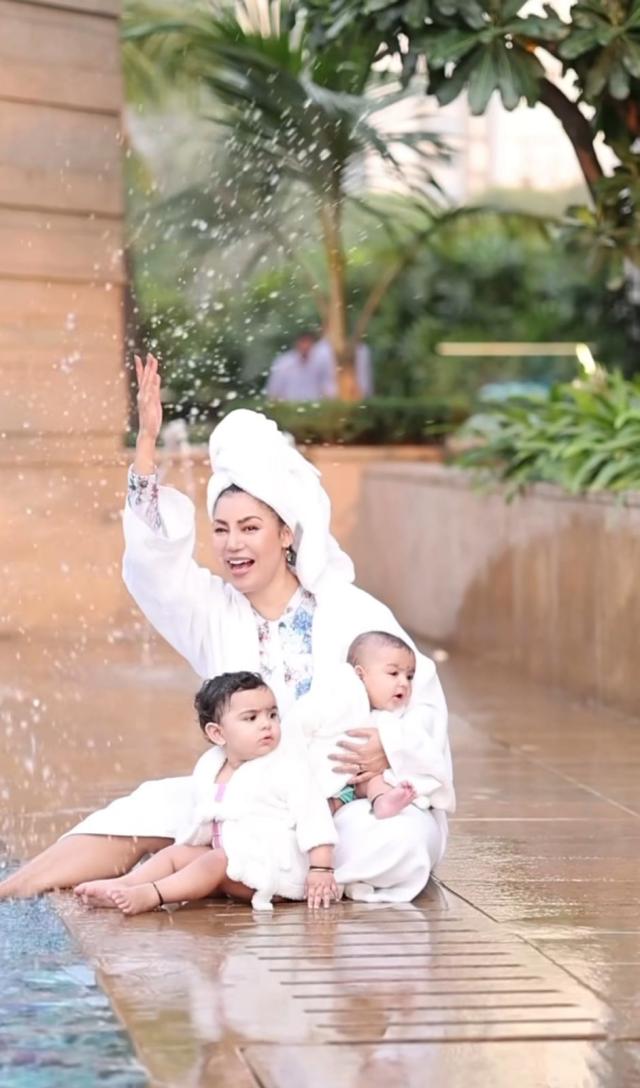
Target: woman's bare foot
[(97, 893), (135, 898), (393, 801)]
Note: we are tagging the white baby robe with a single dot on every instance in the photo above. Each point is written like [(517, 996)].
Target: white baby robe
[(271, 814)]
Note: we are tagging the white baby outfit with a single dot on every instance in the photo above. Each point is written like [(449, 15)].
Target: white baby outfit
[(271, 814), (340, 703)]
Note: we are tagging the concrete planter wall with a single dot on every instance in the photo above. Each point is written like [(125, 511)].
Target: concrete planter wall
[(344, 469), (548, 583)]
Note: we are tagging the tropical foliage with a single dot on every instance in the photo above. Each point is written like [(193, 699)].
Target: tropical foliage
[(484, 46), (585, 437), (491, 276), (298, 121)]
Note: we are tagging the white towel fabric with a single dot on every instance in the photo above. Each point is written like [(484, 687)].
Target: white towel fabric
[(271, 814), (248, 450), (323, 716)]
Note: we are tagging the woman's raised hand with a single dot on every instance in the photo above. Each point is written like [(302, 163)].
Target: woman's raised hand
[(149, 403)]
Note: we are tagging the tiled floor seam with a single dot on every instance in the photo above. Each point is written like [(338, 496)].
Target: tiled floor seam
[(550, 769), (529, 943), (608, 1035)]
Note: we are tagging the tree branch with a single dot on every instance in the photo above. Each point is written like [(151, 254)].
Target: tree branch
[(376, 295), (389, 276), (577, 129)]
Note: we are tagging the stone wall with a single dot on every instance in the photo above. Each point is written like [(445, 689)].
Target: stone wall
[(547, 584), (62, 390), (343, 469)]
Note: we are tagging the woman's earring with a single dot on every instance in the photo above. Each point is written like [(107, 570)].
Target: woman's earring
[(290, 556)]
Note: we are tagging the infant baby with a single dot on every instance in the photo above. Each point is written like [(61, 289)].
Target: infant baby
[(373, 688), (386, 666), (258, 828)]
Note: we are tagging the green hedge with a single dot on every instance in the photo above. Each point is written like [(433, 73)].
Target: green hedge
[(379, 421)]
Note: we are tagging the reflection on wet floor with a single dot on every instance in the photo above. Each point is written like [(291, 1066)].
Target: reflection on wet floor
[(57, 1026), (521, 969)]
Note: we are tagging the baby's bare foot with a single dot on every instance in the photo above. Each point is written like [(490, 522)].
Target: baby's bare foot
[(393, 801), (135, 898), (97, 893)]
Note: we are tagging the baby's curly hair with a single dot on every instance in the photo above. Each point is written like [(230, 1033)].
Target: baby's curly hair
[(214, 696)]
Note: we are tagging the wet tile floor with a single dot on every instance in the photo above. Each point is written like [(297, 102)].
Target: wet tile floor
[(521, 967), (57, 1026)]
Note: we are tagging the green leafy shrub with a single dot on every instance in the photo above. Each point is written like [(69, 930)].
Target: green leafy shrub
[(584, 437)]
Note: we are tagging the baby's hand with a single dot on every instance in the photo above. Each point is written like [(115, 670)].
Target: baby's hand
[(321, 889)]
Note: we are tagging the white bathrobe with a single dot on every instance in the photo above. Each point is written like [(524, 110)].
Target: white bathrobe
[(340, 703), (271, 814), (212, 625)]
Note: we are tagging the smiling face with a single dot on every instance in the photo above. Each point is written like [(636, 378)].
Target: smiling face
[(387, 673), (250, 541), (249, 725)]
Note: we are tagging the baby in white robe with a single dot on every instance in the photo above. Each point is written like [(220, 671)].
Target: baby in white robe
[(373, 688), (258, 822)]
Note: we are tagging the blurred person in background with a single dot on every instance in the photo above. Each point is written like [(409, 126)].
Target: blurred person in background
[(301, 374)]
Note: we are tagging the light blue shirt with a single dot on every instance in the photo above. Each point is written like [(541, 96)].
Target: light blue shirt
[(294, 378)]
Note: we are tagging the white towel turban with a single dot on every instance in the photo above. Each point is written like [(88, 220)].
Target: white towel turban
[(248, 450)]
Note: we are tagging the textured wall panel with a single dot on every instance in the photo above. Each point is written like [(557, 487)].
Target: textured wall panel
[(59, 159), (59, 56)]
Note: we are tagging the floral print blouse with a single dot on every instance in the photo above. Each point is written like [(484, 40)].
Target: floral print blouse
[(143, 497), (285, 644)]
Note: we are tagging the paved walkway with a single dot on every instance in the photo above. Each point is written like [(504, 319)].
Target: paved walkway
[(521, 966)]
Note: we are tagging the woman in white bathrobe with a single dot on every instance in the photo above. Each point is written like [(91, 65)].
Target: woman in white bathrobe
[(286, 608)]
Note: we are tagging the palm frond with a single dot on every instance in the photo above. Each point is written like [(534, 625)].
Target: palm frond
[(268, 85)]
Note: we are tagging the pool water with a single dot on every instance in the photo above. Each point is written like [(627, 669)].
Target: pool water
[(57, 1028)]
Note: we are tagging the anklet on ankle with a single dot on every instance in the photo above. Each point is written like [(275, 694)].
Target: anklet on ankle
[(158, 893), (376, 798)]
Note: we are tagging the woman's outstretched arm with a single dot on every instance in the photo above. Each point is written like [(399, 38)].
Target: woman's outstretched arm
[(178, 597), (142, 493)]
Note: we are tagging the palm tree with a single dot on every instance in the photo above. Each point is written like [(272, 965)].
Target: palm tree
[(305, 120)]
